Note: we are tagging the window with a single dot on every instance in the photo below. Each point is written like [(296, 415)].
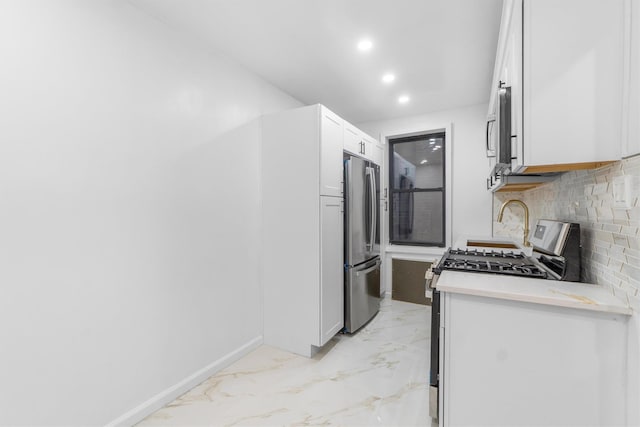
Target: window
[(417, 181)]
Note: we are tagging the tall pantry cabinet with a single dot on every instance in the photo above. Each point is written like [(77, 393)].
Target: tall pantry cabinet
[(302, 228)]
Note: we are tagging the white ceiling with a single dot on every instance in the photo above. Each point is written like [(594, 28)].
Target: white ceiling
[(442, 51)]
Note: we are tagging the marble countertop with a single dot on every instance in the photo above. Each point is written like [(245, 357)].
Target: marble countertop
[(550, 292), (583, 296)]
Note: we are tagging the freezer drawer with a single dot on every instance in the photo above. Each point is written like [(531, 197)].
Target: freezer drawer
[(362, 294)]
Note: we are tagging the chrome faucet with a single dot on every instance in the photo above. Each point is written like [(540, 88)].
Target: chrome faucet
[(525, 239)]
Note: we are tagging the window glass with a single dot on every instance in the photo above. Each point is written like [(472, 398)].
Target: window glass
[(417, 190)]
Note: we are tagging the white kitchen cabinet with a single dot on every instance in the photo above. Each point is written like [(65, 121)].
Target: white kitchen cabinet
[(631, 106), (378, 154), (352, 139), (331, 135), (565, 77), (302, 267), (358, 143), (514, 363), (368, 147), (332, 270)]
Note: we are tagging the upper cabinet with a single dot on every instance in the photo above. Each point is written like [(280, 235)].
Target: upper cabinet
[(631, 101), (562, 62), (378, 153), (359, 143), (331, 134), (352, 139)]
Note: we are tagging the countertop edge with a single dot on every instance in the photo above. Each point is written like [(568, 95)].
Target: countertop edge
[(537, 300)]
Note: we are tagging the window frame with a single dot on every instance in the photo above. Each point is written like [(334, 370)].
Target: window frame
[(439, 133)]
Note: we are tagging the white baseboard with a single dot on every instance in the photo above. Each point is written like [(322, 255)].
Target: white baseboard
[(145, 409)]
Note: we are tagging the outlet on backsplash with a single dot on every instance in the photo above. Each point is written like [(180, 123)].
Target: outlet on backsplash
[(625, 191), (610, 230)]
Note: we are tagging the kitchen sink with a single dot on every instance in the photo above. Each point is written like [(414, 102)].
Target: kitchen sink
[(492, 244)]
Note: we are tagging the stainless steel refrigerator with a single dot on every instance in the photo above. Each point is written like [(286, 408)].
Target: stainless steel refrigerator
[(362, 241)]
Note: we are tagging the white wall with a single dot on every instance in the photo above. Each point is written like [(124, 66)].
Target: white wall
[(129, 209), (471, 201)]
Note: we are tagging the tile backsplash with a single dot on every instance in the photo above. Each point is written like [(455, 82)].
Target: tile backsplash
[(610, 236)]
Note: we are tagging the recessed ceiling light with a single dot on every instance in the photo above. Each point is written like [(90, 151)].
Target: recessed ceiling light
[(432, 141), (423, 162), (403, 99), (388, 78), (365, 45)]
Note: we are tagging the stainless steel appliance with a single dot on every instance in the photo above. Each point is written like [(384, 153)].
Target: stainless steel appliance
[(499, 262), (501, 143), (556, 256), (556, 246), (504, 125), (498, 135), (362, 241)]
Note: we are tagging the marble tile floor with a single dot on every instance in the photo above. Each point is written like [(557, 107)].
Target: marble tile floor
[(378, 376)]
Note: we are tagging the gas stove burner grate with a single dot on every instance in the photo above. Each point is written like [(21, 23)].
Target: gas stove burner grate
[(515, 264), (491, 253)]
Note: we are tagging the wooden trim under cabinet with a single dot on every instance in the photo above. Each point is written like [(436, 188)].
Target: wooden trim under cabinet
[(564, 167), (519, 187)]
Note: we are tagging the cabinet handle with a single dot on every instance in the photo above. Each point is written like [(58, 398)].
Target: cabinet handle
[(487, 138), (385, 193), (385, 206)]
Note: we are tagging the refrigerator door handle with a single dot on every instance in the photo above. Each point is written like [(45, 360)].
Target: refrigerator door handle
[(370, 269), (368, 214), (348, 194), (372, 206)]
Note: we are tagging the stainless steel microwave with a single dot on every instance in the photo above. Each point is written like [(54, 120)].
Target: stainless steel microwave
[(498, 142), (503, 148)]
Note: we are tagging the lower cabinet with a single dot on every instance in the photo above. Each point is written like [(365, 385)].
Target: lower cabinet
[(514, 363), (303, 273), (332, 270)]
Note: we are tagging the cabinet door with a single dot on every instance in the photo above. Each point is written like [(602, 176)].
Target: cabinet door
[(572, 80), (352, 139), (331, 137), (378, 154), (513, 78), (631, 131), (369, 148), (332, 270)]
